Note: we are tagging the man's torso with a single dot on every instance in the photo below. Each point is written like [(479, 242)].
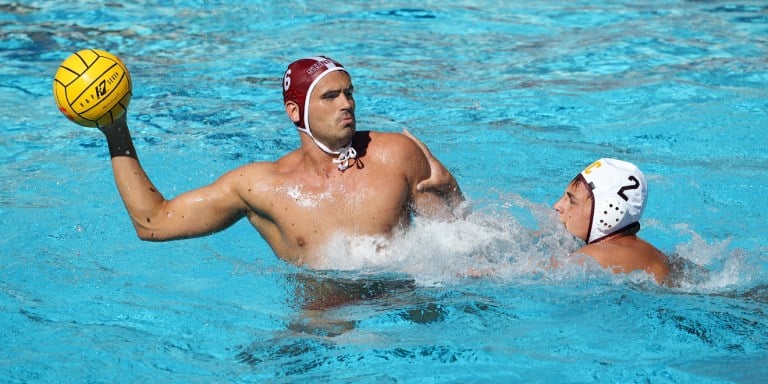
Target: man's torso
[(298, 209)]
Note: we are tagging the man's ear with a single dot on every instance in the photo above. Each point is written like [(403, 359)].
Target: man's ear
[(292, 109)]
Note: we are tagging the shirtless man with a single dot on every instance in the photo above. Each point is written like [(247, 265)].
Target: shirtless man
[(338, 181), (602, 206)]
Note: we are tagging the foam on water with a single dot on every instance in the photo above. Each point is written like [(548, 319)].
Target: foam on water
[(493, 243)]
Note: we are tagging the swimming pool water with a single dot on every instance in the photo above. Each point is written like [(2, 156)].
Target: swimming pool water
[(514, 97)]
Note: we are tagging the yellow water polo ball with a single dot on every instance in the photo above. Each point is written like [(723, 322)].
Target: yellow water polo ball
[(92, 88)]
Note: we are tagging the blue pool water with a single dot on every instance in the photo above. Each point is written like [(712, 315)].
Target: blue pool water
[(514, 97)]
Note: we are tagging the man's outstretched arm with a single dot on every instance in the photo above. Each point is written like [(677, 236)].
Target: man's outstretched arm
[(195, 213)]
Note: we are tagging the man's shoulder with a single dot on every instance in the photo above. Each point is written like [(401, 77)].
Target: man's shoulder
[(391, 143)]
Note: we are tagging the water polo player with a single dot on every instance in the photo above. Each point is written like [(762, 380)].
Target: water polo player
[(602, 206), (339, 180)]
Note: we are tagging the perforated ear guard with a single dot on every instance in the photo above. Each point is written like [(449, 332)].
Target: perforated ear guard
[(609, 213)]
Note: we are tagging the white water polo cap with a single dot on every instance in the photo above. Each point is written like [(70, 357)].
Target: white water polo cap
[(619, 193), (299, 80)]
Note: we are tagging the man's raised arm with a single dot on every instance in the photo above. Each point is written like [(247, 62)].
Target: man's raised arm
[(195, 213)]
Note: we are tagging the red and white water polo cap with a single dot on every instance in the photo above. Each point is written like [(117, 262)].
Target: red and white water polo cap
[(300, 79), (619, 193)]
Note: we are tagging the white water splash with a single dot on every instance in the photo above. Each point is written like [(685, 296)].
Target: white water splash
[(493, 244), (490, 244), (712, 267)]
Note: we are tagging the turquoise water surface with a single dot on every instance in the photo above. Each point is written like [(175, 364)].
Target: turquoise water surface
[(514, 97)]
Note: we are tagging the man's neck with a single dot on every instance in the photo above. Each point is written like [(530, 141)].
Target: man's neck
[(341, 158)]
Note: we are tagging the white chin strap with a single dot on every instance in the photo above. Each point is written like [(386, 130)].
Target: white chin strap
[(345, 154)]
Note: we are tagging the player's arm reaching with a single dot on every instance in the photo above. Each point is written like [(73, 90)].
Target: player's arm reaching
[(195, 213)]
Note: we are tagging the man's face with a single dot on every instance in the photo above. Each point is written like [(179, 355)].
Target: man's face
[(332, 110), (575, 209)]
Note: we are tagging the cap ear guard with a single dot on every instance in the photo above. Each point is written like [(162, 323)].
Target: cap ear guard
[(609, 213)]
